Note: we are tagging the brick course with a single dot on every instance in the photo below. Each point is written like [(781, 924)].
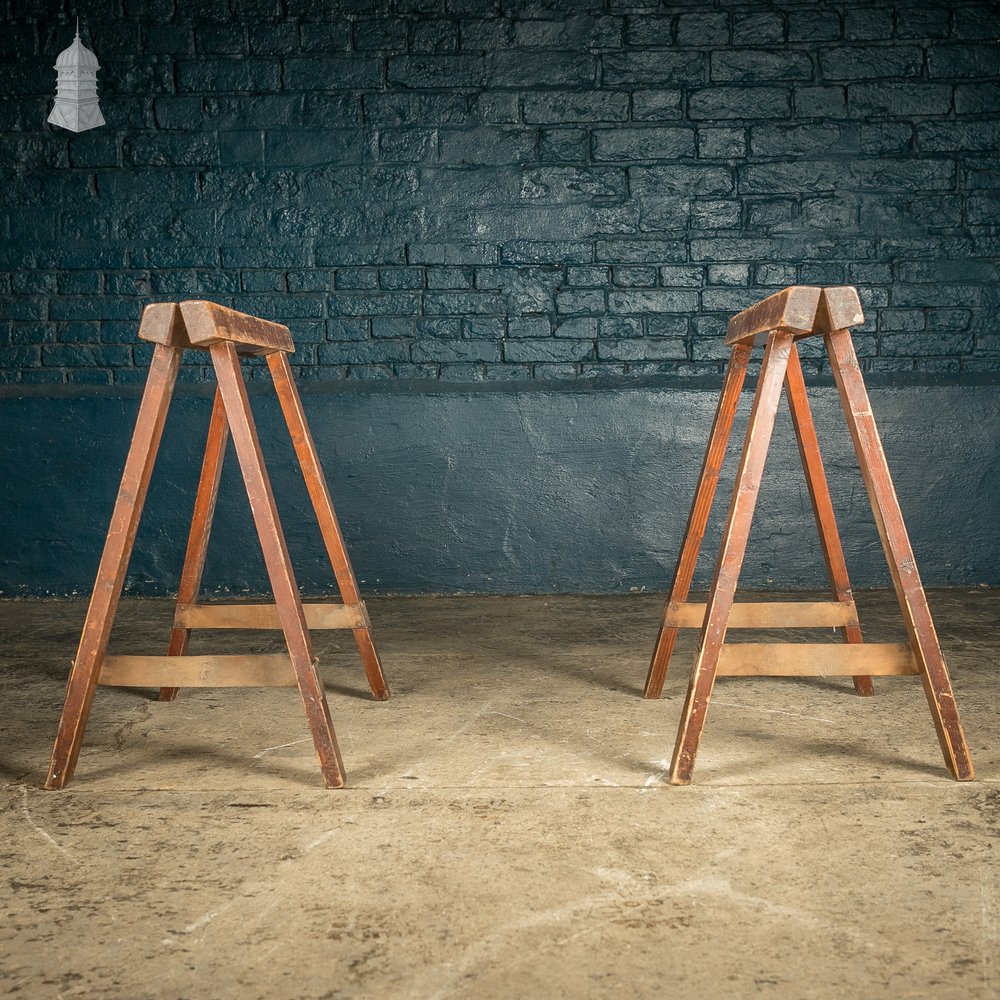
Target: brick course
[(479, 190)]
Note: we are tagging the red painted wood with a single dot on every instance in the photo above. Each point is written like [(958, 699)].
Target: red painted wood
[(201, 527), (731, 553), (276, 559), (687, 562), (114, 563), (899, 553), (819, 495), (319, 494)]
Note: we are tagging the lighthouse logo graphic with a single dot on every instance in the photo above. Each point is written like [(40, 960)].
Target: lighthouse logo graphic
[(76, 106)]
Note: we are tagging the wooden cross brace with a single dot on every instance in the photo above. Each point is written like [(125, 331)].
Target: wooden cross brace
[(778, 322), (225, 334)]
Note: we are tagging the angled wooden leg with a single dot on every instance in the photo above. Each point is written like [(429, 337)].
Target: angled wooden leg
[(201, 527), (687, 562), (731, 552), (899, 553), (819, 495), (279, 567), (319, 494), (114, 564)]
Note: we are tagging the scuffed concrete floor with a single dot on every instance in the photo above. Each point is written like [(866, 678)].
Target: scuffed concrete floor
[(507, 831)]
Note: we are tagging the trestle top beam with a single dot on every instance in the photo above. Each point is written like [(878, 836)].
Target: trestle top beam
[(792, 309), (200, 324)]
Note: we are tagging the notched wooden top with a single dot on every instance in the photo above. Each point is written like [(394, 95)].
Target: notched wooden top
[(161, 324), (792, 308), (197, 323), (839, 309), (803, 309)]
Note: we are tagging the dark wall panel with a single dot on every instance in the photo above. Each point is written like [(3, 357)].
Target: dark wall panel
[(498, 491), (564, 197)]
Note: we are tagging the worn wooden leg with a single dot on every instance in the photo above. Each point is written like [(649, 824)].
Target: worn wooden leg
[(731, 552), (899, 553), (329, 526), (201, 527), (819, 495), (114, 564), (279, 567), (687, 562)]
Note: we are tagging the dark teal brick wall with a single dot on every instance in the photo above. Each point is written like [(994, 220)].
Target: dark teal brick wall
[(481, 190), (562, 200)]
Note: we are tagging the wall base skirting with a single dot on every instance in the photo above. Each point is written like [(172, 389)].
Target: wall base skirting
[(498, 492)]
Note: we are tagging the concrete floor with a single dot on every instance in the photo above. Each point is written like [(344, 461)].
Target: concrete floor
[(507, 831)]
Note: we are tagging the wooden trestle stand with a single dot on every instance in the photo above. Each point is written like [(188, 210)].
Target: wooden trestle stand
[(779, 322), (225, 334)]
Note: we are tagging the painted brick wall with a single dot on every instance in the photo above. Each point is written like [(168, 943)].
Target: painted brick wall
[(479, 190)]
